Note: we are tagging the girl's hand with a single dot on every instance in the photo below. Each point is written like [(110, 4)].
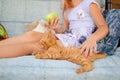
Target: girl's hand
[(88, 47), (54, 23)]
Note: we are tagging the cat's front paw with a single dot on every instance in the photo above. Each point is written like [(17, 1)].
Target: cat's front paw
[(79, 71), (38, 56), (41, 56)]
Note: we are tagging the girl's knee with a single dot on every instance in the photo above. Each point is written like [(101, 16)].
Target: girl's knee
[(33, 36), (30, 34)]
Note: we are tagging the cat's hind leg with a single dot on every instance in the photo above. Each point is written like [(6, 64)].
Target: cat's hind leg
[(85, 67), (41, 55)]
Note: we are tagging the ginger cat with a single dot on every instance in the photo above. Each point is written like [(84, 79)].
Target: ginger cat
[(54, 51)]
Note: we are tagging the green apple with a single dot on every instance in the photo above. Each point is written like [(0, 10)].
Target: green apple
[(49, 16), (2, 33)]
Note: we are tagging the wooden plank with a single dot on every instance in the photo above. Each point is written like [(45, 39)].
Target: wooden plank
[(115, 6), (116, 2)]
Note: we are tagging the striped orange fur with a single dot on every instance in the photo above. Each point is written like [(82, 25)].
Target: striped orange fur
[(72, 54)]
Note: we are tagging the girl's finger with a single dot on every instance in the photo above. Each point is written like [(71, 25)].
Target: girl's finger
[(82, 49), (56, 20), (91, 52), (52, 22), (95, 48), (49, 22), (86, 52)]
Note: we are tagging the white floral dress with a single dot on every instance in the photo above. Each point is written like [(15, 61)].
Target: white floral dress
[(81, 25)]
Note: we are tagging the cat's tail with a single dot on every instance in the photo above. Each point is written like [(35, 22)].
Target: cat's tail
[(98, 56)]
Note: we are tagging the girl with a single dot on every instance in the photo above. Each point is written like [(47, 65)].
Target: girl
[(79, 20)]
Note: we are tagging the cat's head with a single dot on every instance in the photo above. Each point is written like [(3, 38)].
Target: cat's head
[(48, 40)]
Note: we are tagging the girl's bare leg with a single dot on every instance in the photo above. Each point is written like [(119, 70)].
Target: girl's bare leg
[(8, 51), (20, 45), (28, 37)]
